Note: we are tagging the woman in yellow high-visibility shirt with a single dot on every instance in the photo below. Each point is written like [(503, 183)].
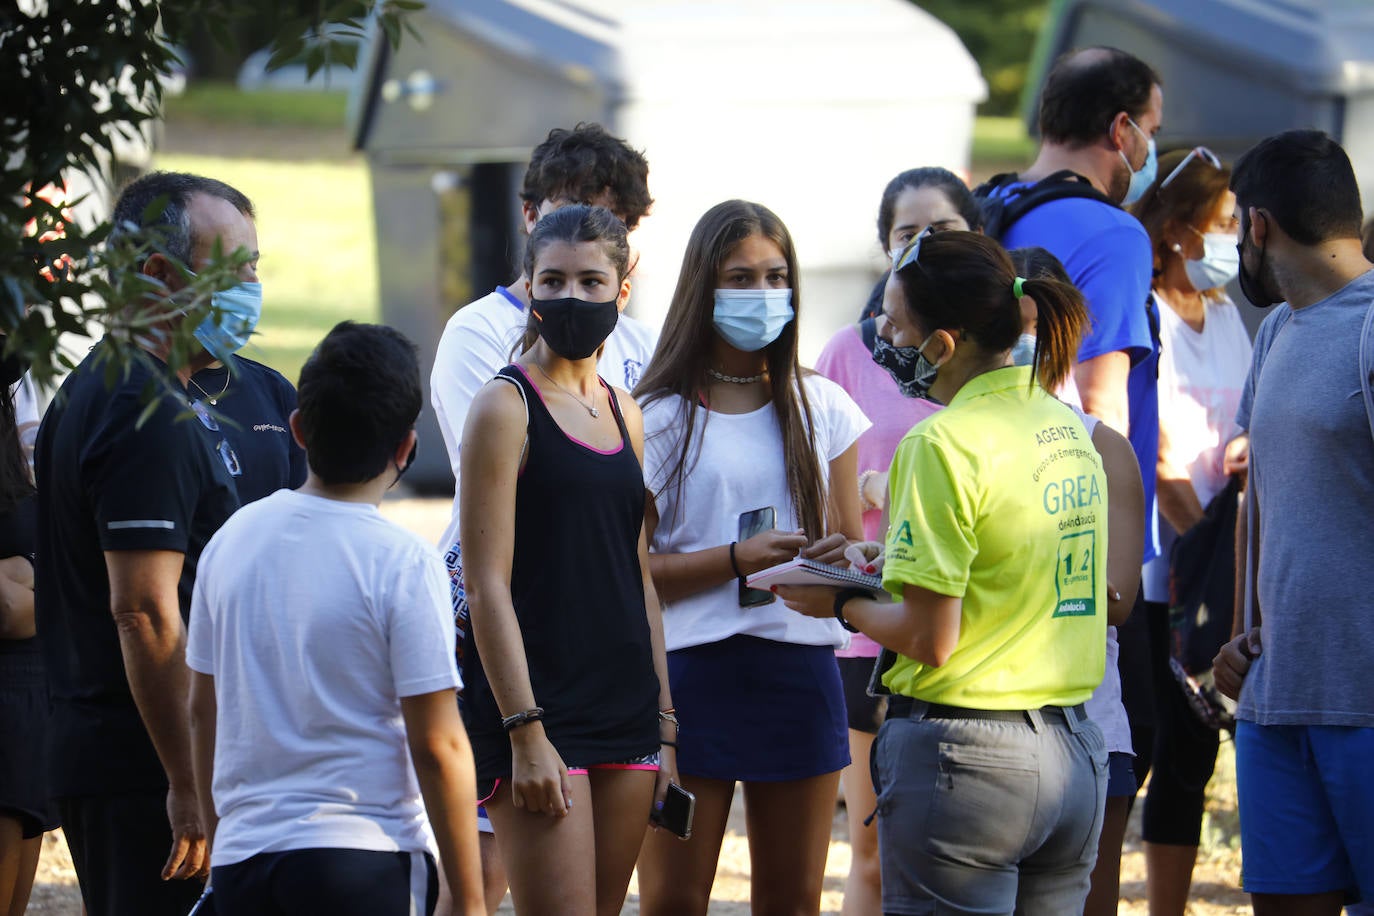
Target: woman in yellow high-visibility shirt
[(991, 778)]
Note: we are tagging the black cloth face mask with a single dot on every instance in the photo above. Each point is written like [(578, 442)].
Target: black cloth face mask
[(1252, 285), (574, 328), (908, 366)]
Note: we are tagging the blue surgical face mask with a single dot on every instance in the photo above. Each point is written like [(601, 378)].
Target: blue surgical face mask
[(234, 313), (1219, 264), (1023, 354), (751, 319), (1141, 180)]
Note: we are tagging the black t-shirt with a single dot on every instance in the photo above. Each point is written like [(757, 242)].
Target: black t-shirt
[(256, 405), (107, 482)]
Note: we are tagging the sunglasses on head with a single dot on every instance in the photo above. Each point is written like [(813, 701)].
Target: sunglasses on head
[(911, 252), (1197, 152)]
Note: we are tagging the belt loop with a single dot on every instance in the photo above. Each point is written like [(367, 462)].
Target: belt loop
[(1074, 717), (919, 708), (1036, 720)]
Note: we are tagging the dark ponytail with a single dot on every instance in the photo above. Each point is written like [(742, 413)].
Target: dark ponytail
[(1060, 320)]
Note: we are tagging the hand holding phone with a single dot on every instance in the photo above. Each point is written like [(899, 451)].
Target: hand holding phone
[(675, 816)]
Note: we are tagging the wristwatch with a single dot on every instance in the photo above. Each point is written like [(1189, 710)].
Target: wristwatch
[(843, 596)]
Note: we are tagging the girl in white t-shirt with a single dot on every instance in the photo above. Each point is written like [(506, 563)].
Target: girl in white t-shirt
[(740, 444)]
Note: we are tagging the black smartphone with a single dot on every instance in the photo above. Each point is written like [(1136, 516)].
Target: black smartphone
[(755, 521), (678, 807)]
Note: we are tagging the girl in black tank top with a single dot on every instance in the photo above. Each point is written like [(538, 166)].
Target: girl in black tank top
[(566, 696)]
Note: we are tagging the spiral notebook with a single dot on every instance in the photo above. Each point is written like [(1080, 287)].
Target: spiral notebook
[(801, 571)]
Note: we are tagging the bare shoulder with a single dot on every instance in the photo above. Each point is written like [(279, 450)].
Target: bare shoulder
[(629, 408), (498, 413), (1110, 444)]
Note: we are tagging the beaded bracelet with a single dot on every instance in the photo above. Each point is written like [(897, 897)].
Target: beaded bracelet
[(864, 502)]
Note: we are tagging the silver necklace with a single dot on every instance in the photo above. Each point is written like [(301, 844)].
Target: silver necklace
[(591, 408), (212, 398), (735, 379)]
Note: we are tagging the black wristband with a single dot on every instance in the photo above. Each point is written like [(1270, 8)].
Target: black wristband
[(733, 564), (843, 596), (672, 744), (533, 714)]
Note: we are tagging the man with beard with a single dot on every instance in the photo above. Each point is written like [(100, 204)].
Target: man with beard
[(1305, 725)]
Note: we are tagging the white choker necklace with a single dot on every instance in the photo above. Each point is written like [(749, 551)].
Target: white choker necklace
[(736, 379)]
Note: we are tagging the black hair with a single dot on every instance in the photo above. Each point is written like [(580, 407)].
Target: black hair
[(576, 223), (138, 210), (358, 397), (1304, 179), (1034, 262), (950, 184), (1087, 88), (963, 281), (584, 163)]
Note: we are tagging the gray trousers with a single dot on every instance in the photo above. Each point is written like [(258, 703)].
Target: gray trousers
[(988, 817)]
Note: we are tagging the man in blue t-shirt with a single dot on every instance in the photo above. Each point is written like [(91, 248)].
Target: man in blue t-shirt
[(1305, 724), (1099, 113)]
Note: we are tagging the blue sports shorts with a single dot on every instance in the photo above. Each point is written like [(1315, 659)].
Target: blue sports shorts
[(1306, 801)]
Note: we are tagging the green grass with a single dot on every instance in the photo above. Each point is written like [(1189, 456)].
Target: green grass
[(225, 105), (1001, 140), (315, 233)]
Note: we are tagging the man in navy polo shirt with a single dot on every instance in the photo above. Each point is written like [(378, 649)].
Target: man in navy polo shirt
[(257, 402), (126, 504)]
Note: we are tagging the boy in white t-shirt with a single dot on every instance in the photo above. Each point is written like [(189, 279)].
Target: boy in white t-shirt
[(323, 677)]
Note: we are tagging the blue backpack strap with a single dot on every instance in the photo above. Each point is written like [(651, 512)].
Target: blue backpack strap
[(1000, 212)]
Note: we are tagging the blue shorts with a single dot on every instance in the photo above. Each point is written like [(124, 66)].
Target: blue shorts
[(1121, 775), (758, 710), (1306, 808)]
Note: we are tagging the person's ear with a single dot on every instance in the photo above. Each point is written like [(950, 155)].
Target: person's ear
[(1259, 226), (530, 212), (1178, 239), (402, 457), (1116, 132), (294, 421), (160, 268), (943, 344), (623, 299)]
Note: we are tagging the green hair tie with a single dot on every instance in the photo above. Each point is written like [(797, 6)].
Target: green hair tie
[(1018, 287)]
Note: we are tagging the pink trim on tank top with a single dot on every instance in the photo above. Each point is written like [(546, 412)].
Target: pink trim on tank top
[(566, 435)]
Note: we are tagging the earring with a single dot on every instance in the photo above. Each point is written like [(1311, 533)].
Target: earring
[(1176, 248)]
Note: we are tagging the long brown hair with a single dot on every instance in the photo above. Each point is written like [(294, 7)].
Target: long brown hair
[(962, 281), (684, 353)]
